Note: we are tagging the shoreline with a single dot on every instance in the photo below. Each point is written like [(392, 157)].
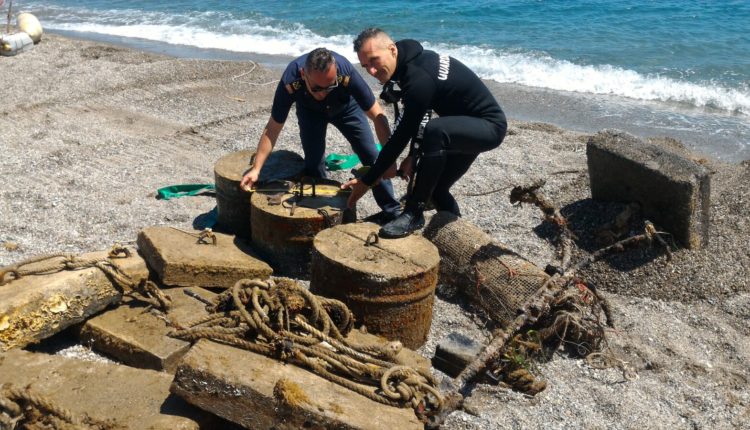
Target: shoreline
[(718, 135)]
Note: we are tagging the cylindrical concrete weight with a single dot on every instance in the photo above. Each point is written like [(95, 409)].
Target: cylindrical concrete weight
[(30, 25), (233, 203), (389, 284), (284, 224), (13, 44)]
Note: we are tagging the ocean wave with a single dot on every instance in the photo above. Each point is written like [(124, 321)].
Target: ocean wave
[(546, 72), (253, 33), (264, 36), (262, 39)]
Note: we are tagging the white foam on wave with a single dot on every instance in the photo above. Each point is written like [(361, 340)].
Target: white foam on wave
[(546, 72), (266, 37), (204, 29), (263, 40)]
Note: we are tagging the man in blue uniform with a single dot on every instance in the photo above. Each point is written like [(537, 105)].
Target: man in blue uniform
[(327, 90), (470, 122)]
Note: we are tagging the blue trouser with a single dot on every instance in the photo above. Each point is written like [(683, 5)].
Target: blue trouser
[(352, 123)]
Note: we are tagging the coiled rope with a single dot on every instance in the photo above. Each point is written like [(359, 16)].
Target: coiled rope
[(21, 408), (52, 263), (281, 319)]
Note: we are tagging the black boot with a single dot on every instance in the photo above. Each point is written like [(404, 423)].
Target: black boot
[(410, 220)]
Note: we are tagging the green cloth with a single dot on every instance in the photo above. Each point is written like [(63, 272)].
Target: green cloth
[(175, 191), (342, 162)]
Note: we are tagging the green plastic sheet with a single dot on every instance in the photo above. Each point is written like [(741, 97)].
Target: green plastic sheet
[(336, 162), (175, 191)]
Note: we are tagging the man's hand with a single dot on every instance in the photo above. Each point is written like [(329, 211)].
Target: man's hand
[(391, 172), (358, 190), (407, 167), (249, 180)]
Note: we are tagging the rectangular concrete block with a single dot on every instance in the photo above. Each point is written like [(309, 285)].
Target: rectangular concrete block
[(36, 307), (180, 260), (127, 398), (674, 192), (454, 353), (238, 385), (139, 338)]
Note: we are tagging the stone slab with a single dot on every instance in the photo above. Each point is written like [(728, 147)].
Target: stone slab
[(238, 385), (674, 192), (454, 353), (139, 338), (179, 260), (407, 356), (36, 307), (128, 398)]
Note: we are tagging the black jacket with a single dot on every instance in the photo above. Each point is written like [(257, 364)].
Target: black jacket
[(431, 81)]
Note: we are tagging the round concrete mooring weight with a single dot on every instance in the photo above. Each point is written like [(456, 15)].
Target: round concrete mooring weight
[(284, 222), (232, 202), (30, 25), (389, 284)]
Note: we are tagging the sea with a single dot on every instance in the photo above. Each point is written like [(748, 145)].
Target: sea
[(678, 68)]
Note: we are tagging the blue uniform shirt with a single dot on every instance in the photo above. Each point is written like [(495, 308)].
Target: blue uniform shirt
[(292, 89)]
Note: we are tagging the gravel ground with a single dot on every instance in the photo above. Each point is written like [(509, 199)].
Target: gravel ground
[(90, 131)]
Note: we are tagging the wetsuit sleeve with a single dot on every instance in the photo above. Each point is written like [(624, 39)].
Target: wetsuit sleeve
[(282, 103), (418, 94)]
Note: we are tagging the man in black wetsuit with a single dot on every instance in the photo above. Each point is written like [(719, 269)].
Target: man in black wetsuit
[(327, 89), (470, 122)]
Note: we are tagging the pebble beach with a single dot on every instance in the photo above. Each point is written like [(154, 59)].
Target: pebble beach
[(89, 131)]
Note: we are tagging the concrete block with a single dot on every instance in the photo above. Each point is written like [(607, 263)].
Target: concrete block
[(454, 353), (406, 357), (138, 338), (36, 307), (388, 286), (127, 398), (233, 203), (238, 385), (179, 260), (674, 192)]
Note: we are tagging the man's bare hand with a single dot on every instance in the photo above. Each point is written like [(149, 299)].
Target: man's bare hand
[(358, 190), (407, 168), (390, 173), (249, 180)]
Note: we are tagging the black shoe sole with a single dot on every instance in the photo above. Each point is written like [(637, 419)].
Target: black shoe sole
[(380, 218), (386, 235)]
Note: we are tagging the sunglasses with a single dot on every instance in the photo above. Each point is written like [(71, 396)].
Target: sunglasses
[(317, 89)]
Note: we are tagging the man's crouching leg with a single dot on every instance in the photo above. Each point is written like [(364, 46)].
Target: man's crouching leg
[(412, 218)]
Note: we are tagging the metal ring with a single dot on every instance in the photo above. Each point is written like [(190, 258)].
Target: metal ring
[(372, 239), (13, 272)]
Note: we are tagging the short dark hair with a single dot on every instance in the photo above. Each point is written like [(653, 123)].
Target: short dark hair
[(319, 60), (366, 35)]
